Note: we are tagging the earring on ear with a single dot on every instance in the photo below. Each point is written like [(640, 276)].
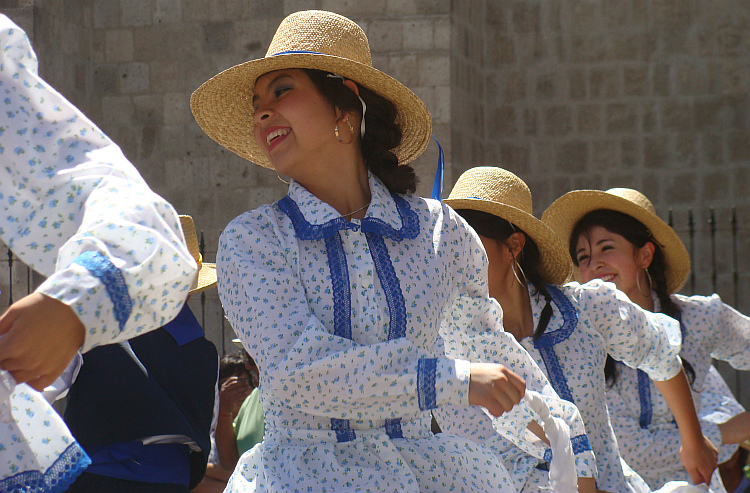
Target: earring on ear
[(281, 179), (351, 132), (515, 265), (650, 283)]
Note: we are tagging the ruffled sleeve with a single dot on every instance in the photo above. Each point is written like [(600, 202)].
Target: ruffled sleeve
[(75, 209), (639, 338)]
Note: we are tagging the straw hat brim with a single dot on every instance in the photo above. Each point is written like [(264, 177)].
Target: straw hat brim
[(223, 105), (555, 262), (206, 278), (565, 212)]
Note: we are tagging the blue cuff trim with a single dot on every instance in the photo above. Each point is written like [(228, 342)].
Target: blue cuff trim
[(56, 479), (104, 270), (426, 372), (579, 444), (393, 428), (343, 432)]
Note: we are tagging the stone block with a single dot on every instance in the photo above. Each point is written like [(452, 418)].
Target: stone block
[(546, 86), (527, 17), (497, 16), (165, 76), (621, 118), (515, 158), (106, 14), (167, 11), (297, 5), (134, 77), (404, 68), (589, 119), (615, 14), (551, 15), (105, 79), (656, 151), (605, 154), (354, 7), (577, 84), (513, 86), (502, 121), (117, 111), (499, 50), (558, 120), (385, 35), (635, 80), (442, 33), (441, 111), (630, 152), (681, 188), (118, 46), (530, 121), (604, 82), (712, 149), (674, 15), (271, 9), (418, 35), (627, 46), (172, 141), (583, 15), (648, 117), (677, 115), (196, 10), (433, 6), (218, 37), (148, 109), (660, 84), (738, 146), (736, 78), (685, 150), (138, 13), (402, 7), (572, 156), (434, 70)]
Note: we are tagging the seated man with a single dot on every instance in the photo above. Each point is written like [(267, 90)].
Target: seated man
[(143, 409)]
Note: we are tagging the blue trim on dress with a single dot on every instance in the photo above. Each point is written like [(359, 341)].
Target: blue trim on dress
[(579, 444), (644, 387), (104, 270), (393, 428), (56, 479), (342, 296), (546, 343), (391, 286), (426, 371), (343, 432), (409, 222)]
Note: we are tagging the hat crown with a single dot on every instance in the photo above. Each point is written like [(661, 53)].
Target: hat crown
[(321, 32), (635, 197), (191, 237), (496, 185)]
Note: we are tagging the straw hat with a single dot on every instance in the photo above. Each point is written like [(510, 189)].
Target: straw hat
[(312, 39), (565, 212), (503, 194), (206, 278)]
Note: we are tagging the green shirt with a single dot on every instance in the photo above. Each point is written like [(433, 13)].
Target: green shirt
[(248, 425)]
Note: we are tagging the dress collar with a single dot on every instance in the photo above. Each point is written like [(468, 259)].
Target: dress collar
[(560, 304), (388, 215)]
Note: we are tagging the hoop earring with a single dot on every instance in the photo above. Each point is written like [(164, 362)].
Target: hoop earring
[(515, 265), (650, 283), (351, 132), (281, 179)]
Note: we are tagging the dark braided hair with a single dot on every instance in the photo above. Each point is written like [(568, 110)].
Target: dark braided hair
[(496, 228), (382, 132), (638, 235)]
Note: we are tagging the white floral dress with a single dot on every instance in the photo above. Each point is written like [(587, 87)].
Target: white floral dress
[(74, 209), (588, 321), (644, 425), (344, 320)]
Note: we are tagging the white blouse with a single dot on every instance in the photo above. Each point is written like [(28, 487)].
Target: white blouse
[(74, 209), (344, 320), (588, 321), (644, 425)]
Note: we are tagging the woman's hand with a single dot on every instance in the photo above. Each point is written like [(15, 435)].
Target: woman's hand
[(232, 394), (40, 337), (700, 459), (495, 387)]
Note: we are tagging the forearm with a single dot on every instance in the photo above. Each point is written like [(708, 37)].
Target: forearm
[(676, 392), (736, 429), (226, 443)]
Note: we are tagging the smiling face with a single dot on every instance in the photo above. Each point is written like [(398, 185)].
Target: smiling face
[(602, 254), (293, 122)]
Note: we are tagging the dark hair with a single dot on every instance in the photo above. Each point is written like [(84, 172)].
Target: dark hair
[(382, 132), (231, 364), (638, 235), (499, 229)]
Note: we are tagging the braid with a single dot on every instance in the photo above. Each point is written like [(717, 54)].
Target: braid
[(546, 314)]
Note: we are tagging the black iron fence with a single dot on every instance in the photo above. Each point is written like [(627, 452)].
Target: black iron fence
[(717, 241)]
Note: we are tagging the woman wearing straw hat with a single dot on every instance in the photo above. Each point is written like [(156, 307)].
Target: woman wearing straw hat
[(340, 289), (567, 329), (617, 236)]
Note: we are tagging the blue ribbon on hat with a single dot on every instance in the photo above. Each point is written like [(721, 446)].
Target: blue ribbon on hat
[(437, 186)]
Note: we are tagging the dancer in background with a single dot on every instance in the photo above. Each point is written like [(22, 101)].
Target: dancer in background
[(74, 209), (616, 236), (569, 329)]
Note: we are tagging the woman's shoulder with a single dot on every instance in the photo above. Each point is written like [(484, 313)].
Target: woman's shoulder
[(697, 302), (261, 222)]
